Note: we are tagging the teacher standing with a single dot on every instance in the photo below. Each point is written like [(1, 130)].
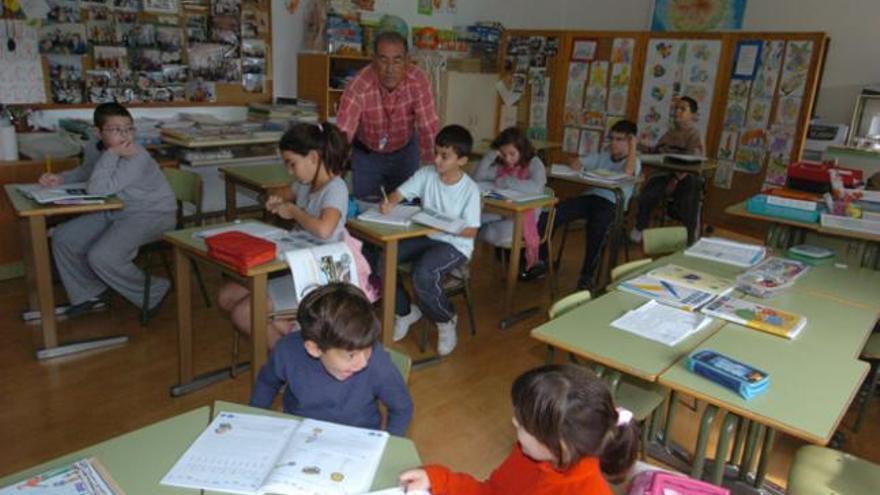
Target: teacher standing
[(387, 111)]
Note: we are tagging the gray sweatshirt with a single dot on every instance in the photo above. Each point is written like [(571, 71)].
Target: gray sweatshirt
[(137, 181)]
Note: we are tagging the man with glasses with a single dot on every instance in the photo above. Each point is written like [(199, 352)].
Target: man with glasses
[(95, 252), (388, 114)]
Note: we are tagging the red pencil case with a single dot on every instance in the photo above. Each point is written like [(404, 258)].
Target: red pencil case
[(242, 251)]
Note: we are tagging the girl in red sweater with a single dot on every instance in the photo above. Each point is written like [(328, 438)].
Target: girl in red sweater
[(569, 435)]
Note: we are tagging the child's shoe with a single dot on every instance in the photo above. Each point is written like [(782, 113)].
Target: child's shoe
[(402, 323), (447, 336)]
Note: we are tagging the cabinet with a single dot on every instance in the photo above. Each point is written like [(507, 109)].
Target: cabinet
[(321, 77), (468, 99)]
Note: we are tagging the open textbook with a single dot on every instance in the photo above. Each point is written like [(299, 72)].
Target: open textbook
[(310, 268), (83, 477), (693, 279), (727, 251), (668, 293), (252, 455), (73, 193)]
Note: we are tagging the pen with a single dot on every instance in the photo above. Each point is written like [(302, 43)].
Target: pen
[(670, 288), (384, 194)]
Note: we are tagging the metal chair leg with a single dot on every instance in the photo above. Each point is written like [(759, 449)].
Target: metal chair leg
[(727, 429), (201, 282), (235, 348), (761, 473), (865, 399), (470, 306), (551, 354), (670, 414), (702, 439), (736, 452), (558, 261), (749, 451), (145, 306)]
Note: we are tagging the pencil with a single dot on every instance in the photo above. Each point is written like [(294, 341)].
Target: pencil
[(48, 164), (384, 194)]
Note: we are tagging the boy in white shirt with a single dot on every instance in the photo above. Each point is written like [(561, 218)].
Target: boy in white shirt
[(447, 189)]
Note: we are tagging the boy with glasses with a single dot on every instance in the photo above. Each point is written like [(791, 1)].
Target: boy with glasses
[(95, 252)]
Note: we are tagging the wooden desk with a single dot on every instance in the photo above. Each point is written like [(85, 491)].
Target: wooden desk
[(259, 178), (400, 453), (35, 247), (517, 211), (188, 248), (139, 459)]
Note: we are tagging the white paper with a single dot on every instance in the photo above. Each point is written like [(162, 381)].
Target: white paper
[(746, 60), (400, 215), (508, 97), (439, 221), (661, 323)]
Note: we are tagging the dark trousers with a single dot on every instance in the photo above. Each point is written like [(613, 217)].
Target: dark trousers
[(599, 214), (431, 261), (372, 170), (685, 201)]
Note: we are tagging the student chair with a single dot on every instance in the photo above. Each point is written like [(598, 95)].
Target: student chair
[(638, 396), (870, 353), (823, 471), (659, 241), (402, 361), (621, 271), (187, 187)]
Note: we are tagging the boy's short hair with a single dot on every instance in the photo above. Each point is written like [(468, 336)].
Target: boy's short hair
[(104, 111), (390, 37), (624, 126), (338, 315), (456, 137), (692, 103)]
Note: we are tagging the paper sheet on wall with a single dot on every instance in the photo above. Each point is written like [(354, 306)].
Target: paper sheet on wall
[(21, 70), (794, 70), (508, 97), (507, 118), (779, 143), (724, 175), (574, 87), (540, 95), (570, 137)]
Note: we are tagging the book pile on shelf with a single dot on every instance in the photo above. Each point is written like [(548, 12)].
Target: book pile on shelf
[(281, 115)]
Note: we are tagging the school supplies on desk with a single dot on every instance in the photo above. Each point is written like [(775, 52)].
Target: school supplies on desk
[(439, 221), (811, 255), (668, 293), (284, 240), (757, 316), (240, 250), (250, 454), (771, 276), (693, 279), (661, 323), (743, 379), (83, 477), (69, 192), (399, 216), (727, 251)]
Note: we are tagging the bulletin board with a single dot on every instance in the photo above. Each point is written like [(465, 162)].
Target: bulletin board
[(147, 53)]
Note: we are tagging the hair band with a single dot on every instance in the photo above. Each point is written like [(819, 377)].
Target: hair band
[(624, 416)]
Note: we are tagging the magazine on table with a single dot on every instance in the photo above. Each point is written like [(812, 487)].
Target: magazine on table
[(757, 316), (252, 455), (83, 477), (693, 279)]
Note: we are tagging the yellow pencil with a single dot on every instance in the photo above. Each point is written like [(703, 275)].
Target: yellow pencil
[(48, 164)]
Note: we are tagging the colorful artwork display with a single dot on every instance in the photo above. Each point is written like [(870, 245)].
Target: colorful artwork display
[(704, 15)]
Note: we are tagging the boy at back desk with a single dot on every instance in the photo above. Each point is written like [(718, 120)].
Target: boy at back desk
[(334, 368), (96, 251)]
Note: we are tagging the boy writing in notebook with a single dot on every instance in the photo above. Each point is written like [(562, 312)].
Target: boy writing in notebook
[(446, 189), (96, 251), (683, 138), (334, 369)]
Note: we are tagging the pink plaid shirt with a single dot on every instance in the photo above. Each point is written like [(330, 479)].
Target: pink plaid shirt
[(370, 112)]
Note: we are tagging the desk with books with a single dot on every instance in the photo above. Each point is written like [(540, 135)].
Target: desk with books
[(32, 218), (262, 179)]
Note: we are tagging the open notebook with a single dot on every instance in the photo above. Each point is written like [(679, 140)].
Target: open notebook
[(73, 193), (399, 216), (252, 455)]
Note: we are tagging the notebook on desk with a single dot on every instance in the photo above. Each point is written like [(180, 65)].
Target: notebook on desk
[(399, 216), (73, 193)]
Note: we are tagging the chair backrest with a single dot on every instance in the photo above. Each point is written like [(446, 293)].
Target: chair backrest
[(568, 303), (187, 187), (664, 240), (402, 361), (625, 269)]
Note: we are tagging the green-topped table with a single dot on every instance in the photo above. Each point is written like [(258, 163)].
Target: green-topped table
[(38, 268), (258, 178), (138, 460), (587, 332), (850, 285), (400, 453), (188, 247)]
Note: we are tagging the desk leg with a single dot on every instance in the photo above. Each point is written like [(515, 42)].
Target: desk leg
[(184, 316), (230, 200), (761, 473), (389, 291), (259, 319), (40, 294), (516, 244)]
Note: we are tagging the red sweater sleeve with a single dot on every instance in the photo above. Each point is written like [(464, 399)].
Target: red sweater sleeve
[(445, 482)]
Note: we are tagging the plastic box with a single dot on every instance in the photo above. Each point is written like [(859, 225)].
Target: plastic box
[(758, 205)]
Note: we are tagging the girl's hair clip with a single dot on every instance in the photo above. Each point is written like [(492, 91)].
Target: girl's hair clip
[(624, 416)]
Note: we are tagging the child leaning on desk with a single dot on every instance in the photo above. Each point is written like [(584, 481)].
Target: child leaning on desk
[(96, 251), (315, 155), (447, 189), (597, 205), (512, 164), (334, 368), (569, 438)]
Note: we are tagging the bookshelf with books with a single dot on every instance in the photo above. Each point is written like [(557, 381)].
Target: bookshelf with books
[(321, 77)]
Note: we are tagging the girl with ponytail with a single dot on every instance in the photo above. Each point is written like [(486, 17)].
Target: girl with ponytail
[(316, 156), (570, 437)]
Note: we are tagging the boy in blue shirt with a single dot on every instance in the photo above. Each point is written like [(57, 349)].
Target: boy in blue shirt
[(447, 189), (335, 369), (597, 205)]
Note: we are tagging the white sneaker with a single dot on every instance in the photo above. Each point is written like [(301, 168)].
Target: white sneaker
[(403, 323), (635, 236), (447, 336)]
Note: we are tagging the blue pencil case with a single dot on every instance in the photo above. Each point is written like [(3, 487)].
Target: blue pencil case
[(745, 380)]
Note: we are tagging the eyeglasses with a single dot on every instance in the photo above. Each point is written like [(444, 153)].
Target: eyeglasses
[(119, 131)]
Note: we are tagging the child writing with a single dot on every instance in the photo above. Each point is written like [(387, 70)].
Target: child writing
[(569, 435), (684, 137), (96, 251), (335, 369), (446, 189), (597, 205), (315, 155), (514, 165)]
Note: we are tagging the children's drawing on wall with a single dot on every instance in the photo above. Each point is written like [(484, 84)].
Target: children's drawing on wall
[(751, 151), (794, 70), (780, 142), (704, 15), (622, 51), (727, 145), (570, 137)]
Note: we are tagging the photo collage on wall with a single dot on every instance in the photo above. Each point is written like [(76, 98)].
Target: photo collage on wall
[(527, 58), (596, 94), (764, 105), (21, 74), (676, 68), (153, 50)]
